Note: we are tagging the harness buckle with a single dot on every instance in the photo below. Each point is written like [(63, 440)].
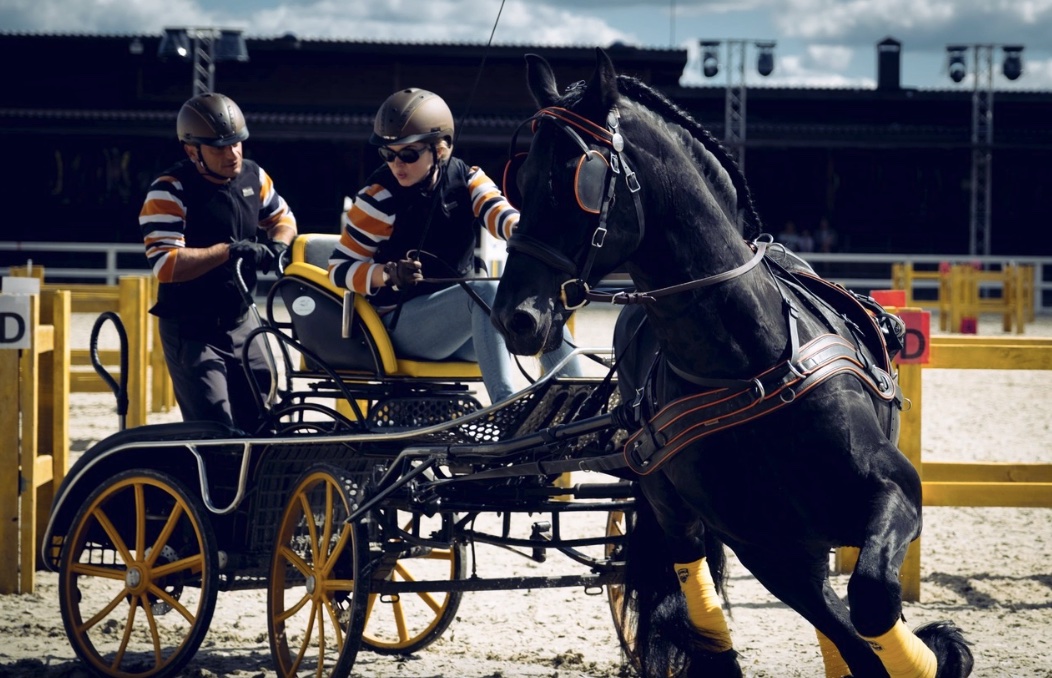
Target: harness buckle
[(599, 237), (564, 297), (630, 178)]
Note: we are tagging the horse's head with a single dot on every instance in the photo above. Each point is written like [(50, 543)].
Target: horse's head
[(572, 231)]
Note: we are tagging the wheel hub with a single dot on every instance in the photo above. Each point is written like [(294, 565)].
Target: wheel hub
[(133, 577)]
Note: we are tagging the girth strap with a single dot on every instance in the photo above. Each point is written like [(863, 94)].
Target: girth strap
[(688, 419)]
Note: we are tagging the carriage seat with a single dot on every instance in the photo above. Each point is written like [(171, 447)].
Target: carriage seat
[(315, 307)]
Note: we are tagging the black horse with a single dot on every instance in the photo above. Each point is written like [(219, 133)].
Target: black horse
[(766, 412)]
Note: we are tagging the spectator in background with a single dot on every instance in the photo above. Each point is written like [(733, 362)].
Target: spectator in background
[(789, 236), (806, 243), (199, 217), (826, 239)]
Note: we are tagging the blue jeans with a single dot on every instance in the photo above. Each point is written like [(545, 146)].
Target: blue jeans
[(450, 325)]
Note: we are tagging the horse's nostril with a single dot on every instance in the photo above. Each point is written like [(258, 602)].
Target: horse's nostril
[(522, 323)]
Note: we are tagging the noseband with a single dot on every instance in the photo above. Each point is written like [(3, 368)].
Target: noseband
[(589, 183)]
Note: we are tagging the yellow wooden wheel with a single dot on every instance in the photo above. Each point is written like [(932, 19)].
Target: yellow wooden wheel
[(138, 576), (314, 615), (409, 622), (617, 525)]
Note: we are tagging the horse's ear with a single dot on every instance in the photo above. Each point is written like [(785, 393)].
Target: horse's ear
[(602, 93), (541, 80)]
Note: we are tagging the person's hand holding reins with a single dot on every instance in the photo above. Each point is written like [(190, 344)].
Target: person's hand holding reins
[(403, 273), (265, 255)]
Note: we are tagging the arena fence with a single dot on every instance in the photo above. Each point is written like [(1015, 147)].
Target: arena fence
[(34, 435), (964, 291), (974, 484)]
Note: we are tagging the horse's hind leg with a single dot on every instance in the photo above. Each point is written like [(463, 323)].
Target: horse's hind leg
[(875, 597)]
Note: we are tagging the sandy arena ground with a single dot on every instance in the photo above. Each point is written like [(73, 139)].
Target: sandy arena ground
[(987, 569)]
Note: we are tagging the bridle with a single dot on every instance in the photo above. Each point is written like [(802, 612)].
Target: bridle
[(590, 180), (595, 182)]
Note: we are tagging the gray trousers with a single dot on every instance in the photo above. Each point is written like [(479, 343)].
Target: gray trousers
[(208, 376)]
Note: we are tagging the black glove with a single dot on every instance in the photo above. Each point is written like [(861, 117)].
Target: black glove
[(281, 255), (401, 274), (261, 254)]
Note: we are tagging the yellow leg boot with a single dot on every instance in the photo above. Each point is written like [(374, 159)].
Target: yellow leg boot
[(835, 665), (703, 605), (903, 654)]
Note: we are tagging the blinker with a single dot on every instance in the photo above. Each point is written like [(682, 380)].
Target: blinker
[(590, 181)]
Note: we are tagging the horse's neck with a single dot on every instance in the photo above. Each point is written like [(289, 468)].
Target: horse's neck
[(733, 329)]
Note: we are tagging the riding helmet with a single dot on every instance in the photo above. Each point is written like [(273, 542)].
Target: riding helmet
[(412, 115), (211, 119)]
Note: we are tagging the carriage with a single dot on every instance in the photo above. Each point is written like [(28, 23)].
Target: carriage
[(756, 408), (355, 506)]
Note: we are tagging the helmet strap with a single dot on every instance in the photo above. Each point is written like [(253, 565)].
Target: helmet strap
[(202, 165)]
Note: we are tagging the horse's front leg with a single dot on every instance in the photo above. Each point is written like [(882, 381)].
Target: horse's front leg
[(697, 559), (875, 593)]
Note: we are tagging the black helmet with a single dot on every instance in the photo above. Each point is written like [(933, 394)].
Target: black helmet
[(211, 119), (412, 115)]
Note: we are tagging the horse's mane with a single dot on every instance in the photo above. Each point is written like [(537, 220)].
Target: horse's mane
[(650, 98)]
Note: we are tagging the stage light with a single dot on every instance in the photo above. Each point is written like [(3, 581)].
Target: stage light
[(710, 61), (175, 44), (765, 59), (1013, 63), (230, 46), (955, 62)]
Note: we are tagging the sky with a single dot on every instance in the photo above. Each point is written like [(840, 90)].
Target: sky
[(819, 43)]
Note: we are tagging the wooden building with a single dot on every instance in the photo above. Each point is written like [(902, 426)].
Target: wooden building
[(88, 120)]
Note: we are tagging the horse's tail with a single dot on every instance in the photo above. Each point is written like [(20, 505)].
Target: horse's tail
[(656, 627)]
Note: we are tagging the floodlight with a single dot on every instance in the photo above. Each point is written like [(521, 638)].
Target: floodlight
[(765, 60), (710, 61), (955, 62), (1013, 63), (230, 46), (175, 44)]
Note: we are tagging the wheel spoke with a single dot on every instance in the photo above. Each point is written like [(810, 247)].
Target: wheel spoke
[(294, 609), (166, 533), (99, 571), (306, 638), (129, 624), (104, 612), (140, 520), (191, 563), (312, 528), (297, 562), (425, 596), (173, 603), (111, 531), (155, 635), (323, 545), (334, 620), (337, 549)]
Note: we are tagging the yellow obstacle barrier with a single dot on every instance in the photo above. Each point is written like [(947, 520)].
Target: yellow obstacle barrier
[(960, 301), (130, 299), (34, 436), (975, 484)]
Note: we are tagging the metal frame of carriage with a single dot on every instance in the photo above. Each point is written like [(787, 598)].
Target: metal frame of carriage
[(357, 520)]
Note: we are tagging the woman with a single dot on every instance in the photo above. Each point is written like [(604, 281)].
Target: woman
[(418, 217)]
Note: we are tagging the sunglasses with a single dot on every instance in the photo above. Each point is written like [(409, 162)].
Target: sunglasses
[(406, 155)]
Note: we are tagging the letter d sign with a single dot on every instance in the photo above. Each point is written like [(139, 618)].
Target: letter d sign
[(14, 321)]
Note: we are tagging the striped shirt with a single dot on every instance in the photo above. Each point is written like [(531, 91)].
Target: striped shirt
[(383, 213), (184, 210)]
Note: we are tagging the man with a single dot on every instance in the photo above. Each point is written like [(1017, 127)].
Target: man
[(200, 217)]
